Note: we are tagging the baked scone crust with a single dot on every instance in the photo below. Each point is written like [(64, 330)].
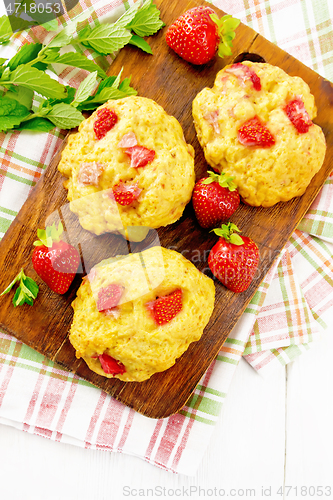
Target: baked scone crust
[(129, 333), (166, 183), (264, 176)]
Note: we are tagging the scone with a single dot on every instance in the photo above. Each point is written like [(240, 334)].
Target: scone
[(256, 125), (135, 315), (129, 168)]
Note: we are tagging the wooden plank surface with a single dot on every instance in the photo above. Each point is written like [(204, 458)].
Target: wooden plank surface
[(173, 83)]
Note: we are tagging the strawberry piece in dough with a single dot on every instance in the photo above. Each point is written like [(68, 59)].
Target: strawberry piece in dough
[(255, 133), (298, 115), (140, 156), (165, 308), (125, 194), (90, 173), (110, 365), (128, 140), (106, 120), (244, 73), (109, 296)]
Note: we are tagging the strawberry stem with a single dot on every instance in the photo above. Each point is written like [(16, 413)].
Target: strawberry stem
[(49, 235), (226, 28), (228, 232), (223, 179)]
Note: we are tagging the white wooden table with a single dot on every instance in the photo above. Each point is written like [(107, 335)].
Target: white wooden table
[(271, 432)]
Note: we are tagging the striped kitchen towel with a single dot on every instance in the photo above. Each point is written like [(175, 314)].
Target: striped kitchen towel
[(283, 318)]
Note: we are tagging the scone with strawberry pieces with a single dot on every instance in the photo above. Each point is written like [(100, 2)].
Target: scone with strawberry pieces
[(256, 125), (135, 315), (129, 168)]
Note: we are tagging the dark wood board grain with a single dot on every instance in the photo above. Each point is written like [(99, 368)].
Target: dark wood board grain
[(173, 83)]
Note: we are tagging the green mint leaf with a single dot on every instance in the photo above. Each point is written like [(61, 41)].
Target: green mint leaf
[(27, 53), (19, 297), (48, 103), (10, 286), (26, 291), (106, 39), (22, 95), (107, 82), (76, 60), (129, 15), (126, 88), (86, 88), (116, 82), (31, 285), (65, 116), (51, 25), (11, 113), (147, 20), (105, 95), (64, 37), (19, 24), (141, 43), (38, 81), (37, 124), (5, 30)]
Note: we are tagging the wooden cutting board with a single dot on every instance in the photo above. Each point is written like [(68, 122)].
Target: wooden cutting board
[(173, 83)]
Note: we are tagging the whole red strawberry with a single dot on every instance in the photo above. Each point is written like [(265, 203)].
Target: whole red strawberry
[(215, 199), (165, 308), (199, 34), (233, 259), (254, 132), (55, 261)]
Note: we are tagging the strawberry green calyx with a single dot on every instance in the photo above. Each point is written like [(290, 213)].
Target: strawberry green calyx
[(228, 232), (223, 179), (226, 28), (26, 291), (49, 235)]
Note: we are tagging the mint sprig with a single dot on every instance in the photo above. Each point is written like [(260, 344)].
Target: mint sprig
[(62, 106), (26, 292)]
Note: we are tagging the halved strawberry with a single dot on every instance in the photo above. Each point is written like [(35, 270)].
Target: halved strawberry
[(244, 73), (110, 365), (165, 308), (109, 296), (125, 194), (254, 132), (140, 156), (106, 120), (215, 199), (298, 115)]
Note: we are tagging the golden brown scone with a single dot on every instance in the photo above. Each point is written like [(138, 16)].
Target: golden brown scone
[(140, 332), (263, 175), (98, 167)]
